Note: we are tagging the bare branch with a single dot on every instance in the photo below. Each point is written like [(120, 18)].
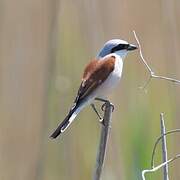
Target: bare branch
[(103, 140), (159, 166), (151, 72), (157, 141), (141, 55), (166, 161), (164, 148), (166, 78)]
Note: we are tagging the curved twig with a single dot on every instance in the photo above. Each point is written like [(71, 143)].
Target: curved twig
[(159, 166), (149, 69), (157, 141)]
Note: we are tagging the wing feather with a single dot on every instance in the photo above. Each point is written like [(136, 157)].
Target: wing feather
[(96, 72)]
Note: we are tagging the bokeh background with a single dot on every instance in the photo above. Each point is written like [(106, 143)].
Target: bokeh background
[(44, 46)]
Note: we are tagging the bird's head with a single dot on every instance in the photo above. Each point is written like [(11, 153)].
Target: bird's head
[(117, 46)]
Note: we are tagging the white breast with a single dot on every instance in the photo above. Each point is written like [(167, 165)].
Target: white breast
[(113, 80)]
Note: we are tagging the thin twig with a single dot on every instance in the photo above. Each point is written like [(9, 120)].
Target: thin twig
[(159, 166), (141, 55), (157, 141), (164, 148), (166, 78), (103, 140), (166, 162), (151, 72)]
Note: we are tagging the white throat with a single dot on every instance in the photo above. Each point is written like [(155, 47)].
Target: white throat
[(122, 54)]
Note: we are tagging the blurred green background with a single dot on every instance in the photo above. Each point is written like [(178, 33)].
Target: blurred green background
[(44, 46)]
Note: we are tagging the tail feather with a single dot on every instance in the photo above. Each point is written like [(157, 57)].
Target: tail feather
[(66, 122)]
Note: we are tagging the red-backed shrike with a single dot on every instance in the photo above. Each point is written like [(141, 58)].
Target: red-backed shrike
[(100, 76)]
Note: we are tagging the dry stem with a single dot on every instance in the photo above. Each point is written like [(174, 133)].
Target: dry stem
[(164, 147), (149, 69), (103, 140), (159, 166)]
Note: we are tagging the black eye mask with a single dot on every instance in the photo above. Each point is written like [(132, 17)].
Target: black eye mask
[(119, 47)]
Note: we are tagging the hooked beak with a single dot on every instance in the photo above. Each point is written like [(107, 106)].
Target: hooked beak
[(132, 47)]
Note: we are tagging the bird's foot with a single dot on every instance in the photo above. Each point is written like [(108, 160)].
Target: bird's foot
[(103, 107), (97, 113)]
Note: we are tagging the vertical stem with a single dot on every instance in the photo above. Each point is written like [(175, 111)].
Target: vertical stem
[(103, 140), (164, 148)]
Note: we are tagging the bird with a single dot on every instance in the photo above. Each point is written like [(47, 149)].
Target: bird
[(100, 77)]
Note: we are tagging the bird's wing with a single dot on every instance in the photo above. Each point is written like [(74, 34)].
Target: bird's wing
[(95, 73)]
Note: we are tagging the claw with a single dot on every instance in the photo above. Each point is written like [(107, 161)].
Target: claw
[(104, 106)]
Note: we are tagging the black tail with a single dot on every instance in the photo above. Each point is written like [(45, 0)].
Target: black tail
[(63, 125)]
